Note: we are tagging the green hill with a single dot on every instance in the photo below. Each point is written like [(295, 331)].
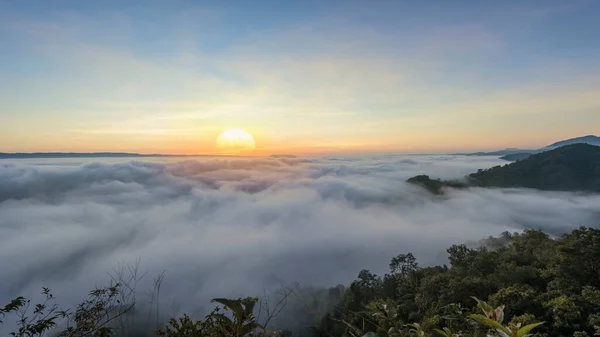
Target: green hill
[(435, 185), (569, 168), (590, 139), (573, 167), (516, 156), (519, 154)]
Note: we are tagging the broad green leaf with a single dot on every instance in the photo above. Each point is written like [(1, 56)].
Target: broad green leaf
[(526, 329), (499, 314), (486, 308), (441, 332), (233, 305), (251, 327), (249, 309), (490, 323)]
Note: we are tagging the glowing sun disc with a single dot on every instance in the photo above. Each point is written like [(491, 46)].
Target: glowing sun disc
[(235, 140)]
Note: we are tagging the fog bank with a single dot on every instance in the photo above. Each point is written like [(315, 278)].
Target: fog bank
[(234, 226)]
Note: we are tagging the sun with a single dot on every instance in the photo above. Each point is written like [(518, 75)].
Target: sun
[(234, 141)]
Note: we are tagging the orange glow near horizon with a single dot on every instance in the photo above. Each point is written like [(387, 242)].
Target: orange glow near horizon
[(181, 134), (235, 140), (266, 143), (335, 83)]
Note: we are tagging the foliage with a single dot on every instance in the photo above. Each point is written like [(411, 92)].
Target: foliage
[(525, 278), (243, 321), (538, 278), (91, 318), (434, 185), (185, 327), (493, 319), (240, 322), (43, 318)]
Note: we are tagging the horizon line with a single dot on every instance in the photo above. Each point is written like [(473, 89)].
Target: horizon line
[(108, 154)]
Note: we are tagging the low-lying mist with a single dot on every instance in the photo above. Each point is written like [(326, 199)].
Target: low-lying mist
[(233, 227)]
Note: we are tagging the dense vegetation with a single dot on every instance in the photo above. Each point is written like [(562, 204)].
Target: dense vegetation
[(536, 277), (569, 168), (550, 285), (516, 156), (435, 185)]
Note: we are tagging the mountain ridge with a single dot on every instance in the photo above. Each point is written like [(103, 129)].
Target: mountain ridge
[(514, 154), (32, 155), (574, 167), (589, 139)]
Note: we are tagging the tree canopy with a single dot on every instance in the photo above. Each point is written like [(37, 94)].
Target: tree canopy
[(569, 168)]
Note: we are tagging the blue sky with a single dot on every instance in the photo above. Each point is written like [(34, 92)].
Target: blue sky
[(300, 76)]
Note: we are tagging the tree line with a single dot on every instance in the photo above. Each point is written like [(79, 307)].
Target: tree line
[(516, 284)]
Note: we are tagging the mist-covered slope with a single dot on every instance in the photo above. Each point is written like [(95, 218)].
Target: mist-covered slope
[(519, 154), (590, 139), (569, 168)]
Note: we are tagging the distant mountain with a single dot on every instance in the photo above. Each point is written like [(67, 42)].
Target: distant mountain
[(519, 154), (76, 155), (496, 153), (592, 140), (574, 167)]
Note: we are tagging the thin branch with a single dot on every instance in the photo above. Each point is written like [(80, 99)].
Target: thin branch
[(279, 306)]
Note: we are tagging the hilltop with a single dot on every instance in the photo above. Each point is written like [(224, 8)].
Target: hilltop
[(517, 156), (590, 139), (513, 154), (573, 167), (504, 152)]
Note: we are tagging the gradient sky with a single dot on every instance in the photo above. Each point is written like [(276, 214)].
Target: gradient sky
[(301, 76)]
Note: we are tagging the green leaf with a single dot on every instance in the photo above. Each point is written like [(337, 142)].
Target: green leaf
[(490, 323), (499, 312), (441, 332), (224, 321), (486, 308), (250, 303), (246, 329), (233, 305), (526, 329)]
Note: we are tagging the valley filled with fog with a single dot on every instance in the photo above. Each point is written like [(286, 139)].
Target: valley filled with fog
[(226, 226)]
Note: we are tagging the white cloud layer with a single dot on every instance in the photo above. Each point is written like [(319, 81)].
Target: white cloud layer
[(233, 226)]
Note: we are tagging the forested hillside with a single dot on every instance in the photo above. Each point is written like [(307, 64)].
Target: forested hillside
[(537, 278), (569, 168)]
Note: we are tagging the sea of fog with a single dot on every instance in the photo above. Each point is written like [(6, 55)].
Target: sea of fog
[(236, 226)]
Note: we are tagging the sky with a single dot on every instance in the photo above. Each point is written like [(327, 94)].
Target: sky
[(300, 76)]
